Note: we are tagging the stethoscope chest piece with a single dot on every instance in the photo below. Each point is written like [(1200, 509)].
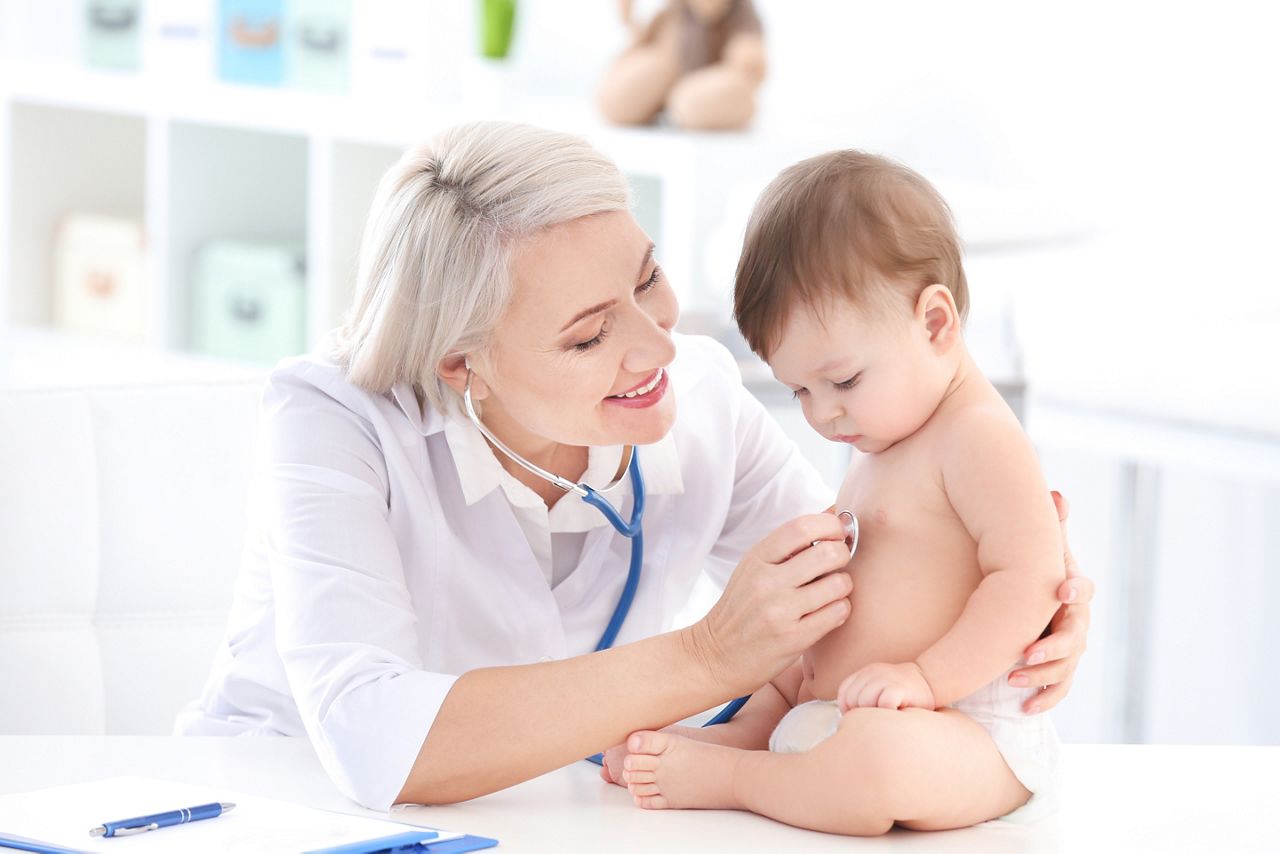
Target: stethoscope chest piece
[(850, 523)]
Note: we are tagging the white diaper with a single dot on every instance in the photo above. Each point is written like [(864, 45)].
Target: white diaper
[(1028, 743)]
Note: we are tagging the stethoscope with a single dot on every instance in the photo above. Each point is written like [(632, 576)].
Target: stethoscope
[(629, 464)]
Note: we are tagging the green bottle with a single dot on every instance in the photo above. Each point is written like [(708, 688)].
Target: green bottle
[(497, 23)]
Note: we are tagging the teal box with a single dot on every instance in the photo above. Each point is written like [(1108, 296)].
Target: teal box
[(318, 44), (251, 41), (113, 34), (249, 300)]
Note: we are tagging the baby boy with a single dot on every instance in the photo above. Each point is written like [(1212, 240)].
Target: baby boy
[(851, 287)]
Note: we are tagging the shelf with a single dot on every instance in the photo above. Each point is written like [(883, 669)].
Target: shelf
[(64, 160), (227, 183), (208, 160)]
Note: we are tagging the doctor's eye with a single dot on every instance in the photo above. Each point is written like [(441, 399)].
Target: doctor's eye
[(583, 346), (849, 383), (647, 284)]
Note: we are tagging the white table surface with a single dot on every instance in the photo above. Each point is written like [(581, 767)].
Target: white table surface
[(1120, 798)]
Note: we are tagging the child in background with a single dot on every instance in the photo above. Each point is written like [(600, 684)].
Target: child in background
[(851, 287)]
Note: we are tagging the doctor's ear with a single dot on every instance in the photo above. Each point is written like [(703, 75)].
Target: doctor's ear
[(453, 370), (937, 314)]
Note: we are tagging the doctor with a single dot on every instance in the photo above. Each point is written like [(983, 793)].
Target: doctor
[(424, 608)]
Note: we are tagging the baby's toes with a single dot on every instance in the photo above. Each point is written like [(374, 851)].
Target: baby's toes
[(649, 742), (630, 777), (640, 762), (651, 802), (644, 789)]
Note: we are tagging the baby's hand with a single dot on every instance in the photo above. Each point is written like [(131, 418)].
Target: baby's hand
[(887, 686)]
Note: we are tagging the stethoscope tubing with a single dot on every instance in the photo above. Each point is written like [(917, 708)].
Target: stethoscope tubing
[(632, 530)]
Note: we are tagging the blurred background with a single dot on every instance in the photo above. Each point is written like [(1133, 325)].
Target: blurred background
[(183, 184)]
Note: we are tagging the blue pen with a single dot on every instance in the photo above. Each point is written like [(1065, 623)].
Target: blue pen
[(143, 823)]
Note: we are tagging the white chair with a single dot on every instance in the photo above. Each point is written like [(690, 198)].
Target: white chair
[(122, 514)]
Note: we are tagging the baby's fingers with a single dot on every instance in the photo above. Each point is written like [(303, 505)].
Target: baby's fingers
[(891, 698), (870, 695), (848, 693)]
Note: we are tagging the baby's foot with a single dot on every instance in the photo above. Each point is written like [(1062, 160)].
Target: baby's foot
[(663, 770)]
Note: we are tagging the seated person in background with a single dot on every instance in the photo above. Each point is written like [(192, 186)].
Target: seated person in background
[(851, 287)]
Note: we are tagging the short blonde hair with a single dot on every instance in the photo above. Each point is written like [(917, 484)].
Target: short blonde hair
[(434, 270), (843, 224)]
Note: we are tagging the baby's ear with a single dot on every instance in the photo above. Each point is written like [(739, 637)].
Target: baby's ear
[(937, 314)]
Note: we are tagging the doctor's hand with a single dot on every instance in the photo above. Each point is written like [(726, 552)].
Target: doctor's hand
[(886, 686), (1053, 659), (783, 597)]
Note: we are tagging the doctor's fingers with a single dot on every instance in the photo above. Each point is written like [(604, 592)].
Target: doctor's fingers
[(1067, 640), (814, 562), (1048, 698), (821, 592), (798, 535)]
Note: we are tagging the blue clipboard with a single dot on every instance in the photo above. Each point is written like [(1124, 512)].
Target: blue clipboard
[(22, 843), (410, 843)]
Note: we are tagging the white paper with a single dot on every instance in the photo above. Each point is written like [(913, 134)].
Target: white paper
[(64, 815)]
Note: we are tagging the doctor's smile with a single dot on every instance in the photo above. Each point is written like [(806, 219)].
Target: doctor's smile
[(645, 394)]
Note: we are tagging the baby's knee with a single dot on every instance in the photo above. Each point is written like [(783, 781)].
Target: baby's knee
[(868, 748), (871, 737)]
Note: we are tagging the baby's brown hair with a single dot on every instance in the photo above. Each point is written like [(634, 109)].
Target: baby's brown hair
[(843, 224)]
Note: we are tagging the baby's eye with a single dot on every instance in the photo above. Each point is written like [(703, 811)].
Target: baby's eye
[(796, 392), (849, 383)]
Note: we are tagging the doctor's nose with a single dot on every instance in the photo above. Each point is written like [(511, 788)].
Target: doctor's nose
[(652, 348)]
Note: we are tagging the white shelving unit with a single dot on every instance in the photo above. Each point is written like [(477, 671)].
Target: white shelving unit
[(198, 161)]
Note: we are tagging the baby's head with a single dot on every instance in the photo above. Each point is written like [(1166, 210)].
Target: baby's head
[(850, 286)]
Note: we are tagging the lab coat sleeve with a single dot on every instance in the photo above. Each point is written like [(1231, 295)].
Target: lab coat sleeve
[(345, 622), (772, 481)]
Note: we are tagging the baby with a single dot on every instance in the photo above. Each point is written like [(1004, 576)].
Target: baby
[(851, 287)]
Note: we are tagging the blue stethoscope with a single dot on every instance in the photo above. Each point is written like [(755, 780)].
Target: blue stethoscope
[(632, 530)]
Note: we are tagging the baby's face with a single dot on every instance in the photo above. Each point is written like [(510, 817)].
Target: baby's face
[(866, 377)]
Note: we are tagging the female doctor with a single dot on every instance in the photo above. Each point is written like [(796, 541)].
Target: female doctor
[(421, 605)]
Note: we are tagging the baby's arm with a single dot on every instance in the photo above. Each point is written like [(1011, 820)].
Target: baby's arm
[(992, 478), (993, 481)]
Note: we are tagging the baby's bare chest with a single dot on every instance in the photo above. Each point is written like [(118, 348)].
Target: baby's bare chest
[(914, 569)]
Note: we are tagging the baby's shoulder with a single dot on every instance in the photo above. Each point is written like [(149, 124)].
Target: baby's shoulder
[(979, 426)]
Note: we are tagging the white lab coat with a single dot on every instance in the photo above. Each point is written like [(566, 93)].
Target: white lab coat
[(371, 579)]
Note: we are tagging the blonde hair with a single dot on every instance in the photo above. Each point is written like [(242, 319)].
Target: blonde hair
[(848, 224), (434, 270)]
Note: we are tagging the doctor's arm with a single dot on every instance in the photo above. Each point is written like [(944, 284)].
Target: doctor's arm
[(502, 725), (387, 729)]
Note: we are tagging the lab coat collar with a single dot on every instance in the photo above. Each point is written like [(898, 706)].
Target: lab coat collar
[(428, 422), (480, 472)]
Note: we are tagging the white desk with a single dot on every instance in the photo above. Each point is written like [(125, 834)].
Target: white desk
[(1117, 798)]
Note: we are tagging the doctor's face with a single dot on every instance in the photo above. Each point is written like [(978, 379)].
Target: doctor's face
[(580, 356)]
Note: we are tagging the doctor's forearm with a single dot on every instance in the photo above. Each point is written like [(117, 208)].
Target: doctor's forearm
[(500, 726)]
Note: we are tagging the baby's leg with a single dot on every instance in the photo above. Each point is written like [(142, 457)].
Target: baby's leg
[(925, 770)]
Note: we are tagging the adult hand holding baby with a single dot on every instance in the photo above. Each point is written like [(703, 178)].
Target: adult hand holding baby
[(1053, 658)]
